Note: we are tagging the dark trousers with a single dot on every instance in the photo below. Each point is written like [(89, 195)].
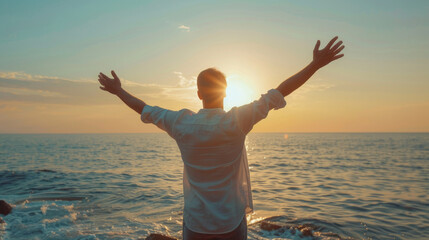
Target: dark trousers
[(240, 233)]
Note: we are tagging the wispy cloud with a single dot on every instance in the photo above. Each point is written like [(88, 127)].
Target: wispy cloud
[(186, 82), (185, 28), (315, 85), (23, 76), (30, 92), (24, 87)]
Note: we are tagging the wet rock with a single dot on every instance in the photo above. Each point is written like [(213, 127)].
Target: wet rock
[(329, 235), (156, 236), (306, 229), (307, 225), (267, 226), (5, 208), (306, 232)]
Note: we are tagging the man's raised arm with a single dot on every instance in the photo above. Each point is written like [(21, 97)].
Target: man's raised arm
[(114, 87), (320, 59)]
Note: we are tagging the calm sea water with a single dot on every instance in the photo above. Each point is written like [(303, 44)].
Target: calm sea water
[(125, 186)]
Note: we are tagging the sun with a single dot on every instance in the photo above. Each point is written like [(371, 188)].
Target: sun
[(237, 93)]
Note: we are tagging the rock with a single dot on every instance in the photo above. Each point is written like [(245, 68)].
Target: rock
[(267, 226), (329, 235), (5, 208), (306, 229), (307, 225), (156, 236), (306, 232)]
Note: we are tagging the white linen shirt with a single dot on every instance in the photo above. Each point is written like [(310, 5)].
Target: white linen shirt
[(216, 181)]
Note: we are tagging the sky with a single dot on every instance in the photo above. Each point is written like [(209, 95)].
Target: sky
[(52, 51)]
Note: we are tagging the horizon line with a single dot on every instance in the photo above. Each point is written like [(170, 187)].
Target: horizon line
[(68, 133)]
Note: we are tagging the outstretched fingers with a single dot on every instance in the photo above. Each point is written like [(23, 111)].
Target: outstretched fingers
[(316, 47), (114, 75), (337, 57), (111, 85), (339, 50), (102, 81), (331, 42), (104, 76), (336, 46)]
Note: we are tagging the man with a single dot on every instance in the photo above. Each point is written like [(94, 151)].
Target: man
[(216, 183)]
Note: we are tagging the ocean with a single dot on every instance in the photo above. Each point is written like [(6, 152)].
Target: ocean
[(126, 186)]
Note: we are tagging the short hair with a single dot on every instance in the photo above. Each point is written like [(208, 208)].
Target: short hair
[(211, 83)]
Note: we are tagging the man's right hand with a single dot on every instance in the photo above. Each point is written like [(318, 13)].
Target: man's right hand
[(328, 54), (111, 85), (320, 58)]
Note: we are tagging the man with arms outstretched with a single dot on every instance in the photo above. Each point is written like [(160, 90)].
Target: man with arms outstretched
[(216, 183)]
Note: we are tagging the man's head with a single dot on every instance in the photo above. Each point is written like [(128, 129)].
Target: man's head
[(211, 85)]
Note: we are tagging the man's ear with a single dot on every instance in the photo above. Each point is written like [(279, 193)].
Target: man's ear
[(199, 95)]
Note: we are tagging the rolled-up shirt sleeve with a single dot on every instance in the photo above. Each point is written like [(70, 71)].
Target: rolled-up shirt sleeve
[(250, 114), (162, 118)]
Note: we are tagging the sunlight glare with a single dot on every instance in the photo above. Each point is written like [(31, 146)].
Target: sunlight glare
[(238, 92)]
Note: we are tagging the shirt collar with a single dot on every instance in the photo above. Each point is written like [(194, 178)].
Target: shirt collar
[(211, 110)]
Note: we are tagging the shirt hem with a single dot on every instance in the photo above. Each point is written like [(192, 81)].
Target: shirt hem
[(235, 227)]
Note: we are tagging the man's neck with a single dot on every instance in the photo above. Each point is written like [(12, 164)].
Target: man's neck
[(213, 104)]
